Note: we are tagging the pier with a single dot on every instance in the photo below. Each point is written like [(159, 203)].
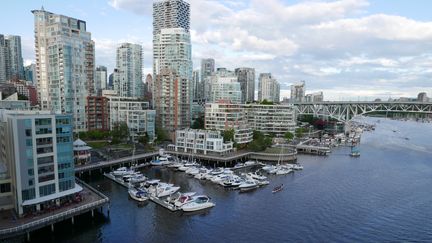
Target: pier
[(154, 199), (92, 201)]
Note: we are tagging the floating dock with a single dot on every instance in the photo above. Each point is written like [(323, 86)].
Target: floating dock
[(154, 199)]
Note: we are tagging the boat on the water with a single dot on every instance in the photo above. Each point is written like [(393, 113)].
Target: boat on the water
[(278, 188), (200, 203), (137, 194), (185, 198)]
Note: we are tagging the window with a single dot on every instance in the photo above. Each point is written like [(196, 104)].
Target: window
[(28, 194), (43, 122), (6, 187), (30, 172), (47, 190), (29, 142), (31, 182), (45, 160), (45, 178), (28, 132)]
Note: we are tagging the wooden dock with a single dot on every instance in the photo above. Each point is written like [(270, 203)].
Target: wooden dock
[(154, 199)]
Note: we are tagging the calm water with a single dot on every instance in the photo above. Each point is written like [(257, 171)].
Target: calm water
[(385, 195)]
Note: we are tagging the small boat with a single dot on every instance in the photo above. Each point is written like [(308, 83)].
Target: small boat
[(256, 176), (278, 188), (355, 152), (137, 194), (248, 185), (163, 189), (122, 171), (284, 171), (250, 162), (297, 167), (200, 203), (184, 198)]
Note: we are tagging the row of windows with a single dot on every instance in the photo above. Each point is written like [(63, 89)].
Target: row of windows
[(66, 185), (45, 178), (6, 187), (43, 122), (28, 194), (45, 169), (47, 190), (45, 160)]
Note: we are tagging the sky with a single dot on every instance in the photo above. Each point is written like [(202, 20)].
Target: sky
[(350, 49)]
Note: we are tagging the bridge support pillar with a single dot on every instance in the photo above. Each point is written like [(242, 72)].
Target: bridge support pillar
[(52, 227), (92, 213), (73, 220), (28, 236)]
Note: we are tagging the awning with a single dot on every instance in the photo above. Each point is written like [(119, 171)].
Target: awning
[(77, 188)]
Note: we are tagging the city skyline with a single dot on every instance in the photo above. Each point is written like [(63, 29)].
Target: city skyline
[(348, 49)]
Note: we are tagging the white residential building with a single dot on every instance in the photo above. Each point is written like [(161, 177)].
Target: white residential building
[(135, 113), (225, 88), (298, 92), (268, 88), (314, 97), (65, 58), (36, 156), (201, 142), (225, 116), (128, 76), (271, 119), (101, 78)]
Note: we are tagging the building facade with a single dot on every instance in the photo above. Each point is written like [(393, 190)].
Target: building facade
[(271, 119), (225, 116), (38, 149), (101, 75), (30, 73), (298, 92), (201, 142), (137, 114), (65, 60), (11, 61), (314, 97), (225, 88), (246, 78), (97, 113), (128, 77), (172, 64), (172, 101), (268, 88)]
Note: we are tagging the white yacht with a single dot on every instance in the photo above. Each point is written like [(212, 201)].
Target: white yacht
[(122, 171), (297, 167), (185, 198), (200, 203), (256, 176), (137, 194), (137, 179), (248, 185), (163, 189), (284, 171)]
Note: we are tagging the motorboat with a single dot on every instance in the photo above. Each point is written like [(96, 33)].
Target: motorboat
[(256, 176), (262, 182), (200, 203), (297, 167), (248, 185), (138, 194), (184, 198), (122, 171), (163, 189), (283, 171), (151, 183), (192, 171), (250, 162), (137, 179), (273, 170), (278, 188), (219, 178), (232, 182)]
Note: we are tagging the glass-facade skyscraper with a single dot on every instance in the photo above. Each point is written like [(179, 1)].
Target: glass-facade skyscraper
[(65, 59), (172, 64), (128, 75)]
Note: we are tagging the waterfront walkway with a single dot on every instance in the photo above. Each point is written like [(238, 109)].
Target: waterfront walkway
[(11, 225)]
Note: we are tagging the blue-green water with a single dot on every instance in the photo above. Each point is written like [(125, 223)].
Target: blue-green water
[(384, 195)]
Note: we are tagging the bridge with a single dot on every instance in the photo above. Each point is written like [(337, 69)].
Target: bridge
[(345, 111)]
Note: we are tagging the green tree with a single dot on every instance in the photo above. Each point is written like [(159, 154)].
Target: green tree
[(198, 123), (120, 132), (289, 136), (266, 102), (228, 135), (299, 132), (161, 135), (144, 139)]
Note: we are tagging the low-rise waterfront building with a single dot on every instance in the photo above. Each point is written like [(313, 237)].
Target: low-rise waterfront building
[(224, 116), (82, 152), (136, 113), (201, 142), (271, 119), (37, 157)]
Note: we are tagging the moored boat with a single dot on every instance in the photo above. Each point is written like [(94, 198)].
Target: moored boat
[(200, 203)]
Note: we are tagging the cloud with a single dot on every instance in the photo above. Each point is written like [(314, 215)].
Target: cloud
[(335, 45)]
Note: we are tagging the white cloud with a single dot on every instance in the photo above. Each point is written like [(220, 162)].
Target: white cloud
[(335, 45)]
